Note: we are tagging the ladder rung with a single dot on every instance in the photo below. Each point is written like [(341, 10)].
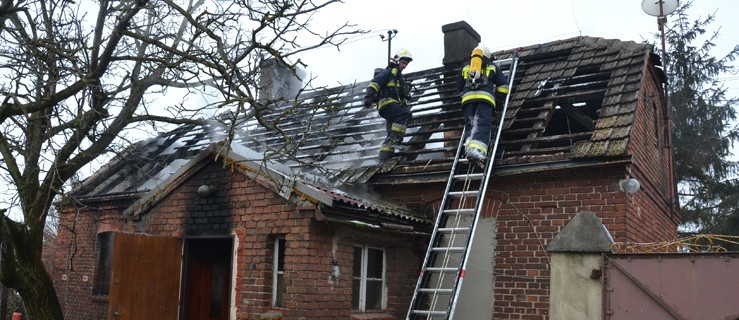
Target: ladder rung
[(471, 193), (504, 62), (471, 176), (442, 291), (454, 249), (430, 313), (453, 230), (459, 211), (438, 269)]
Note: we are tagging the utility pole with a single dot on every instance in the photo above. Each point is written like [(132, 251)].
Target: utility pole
[(391, 33)]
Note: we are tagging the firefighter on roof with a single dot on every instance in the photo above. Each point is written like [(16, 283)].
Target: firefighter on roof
[(480, 84), (390, 91)]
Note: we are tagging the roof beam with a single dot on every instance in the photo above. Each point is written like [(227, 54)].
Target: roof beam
[(576, 114)]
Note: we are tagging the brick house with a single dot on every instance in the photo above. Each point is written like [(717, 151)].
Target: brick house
[(325, 232)]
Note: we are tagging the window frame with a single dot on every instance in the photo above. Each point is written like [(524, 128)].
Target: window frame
[(103, 265), (278, 259), (363, 279)]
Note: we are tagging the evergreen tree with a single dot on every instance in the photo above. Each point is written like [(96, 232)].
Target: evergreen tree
[(703, 125)]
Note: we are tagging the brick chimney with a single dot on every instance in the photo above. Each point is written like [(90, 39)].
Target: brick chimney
[(276, 81), (459, 40)]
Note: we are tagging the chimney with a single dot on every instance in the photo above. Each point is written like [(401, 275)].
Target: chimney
[(277, 81), (459, 40)]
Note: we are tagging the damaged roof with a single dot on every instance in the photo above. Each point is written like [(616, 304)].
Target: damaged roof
[(283, 182), (572, 101)]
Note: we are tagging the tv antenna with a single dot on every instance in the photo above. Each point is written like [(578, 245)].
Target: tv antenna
[(660, 9), (391, 33)]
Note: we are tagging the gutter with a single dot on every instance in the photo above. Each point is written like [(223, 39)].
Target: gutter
[(398, 228), (498, 171)]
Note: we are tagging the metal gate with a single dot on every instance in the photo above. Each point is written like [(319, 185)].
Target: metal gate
[(659, 286)]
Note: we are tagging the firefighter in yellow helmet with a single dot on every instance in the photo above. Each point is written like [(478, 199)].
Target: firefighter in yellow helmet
[(480, 84), (390, 91)]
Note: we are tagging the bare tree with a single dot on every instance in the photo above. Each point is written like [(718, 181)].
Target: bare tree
[(77, 75)]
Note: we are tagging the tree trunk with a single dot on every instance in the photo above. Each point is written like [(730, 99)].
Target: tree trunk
[(23, 270), (45, 304), (38, 293), (4, 303)]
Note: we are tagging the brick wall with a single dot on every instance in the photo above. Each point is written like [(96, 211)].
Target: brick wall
[(652, 156), (253, 216), (75, 257), (531, 209)]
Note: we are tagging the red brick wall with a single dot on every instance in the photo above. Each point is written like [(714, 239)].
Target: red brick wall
[(253, 215), (75, 257), (531, 209), (651, 159)]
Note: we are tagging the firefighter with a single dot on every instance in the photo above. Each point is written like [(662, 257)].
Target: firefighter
[(480, 84), (391, 92)]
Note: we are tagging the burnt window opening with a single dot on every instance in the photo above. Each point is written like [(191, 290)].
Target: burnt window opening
[(101, 284)]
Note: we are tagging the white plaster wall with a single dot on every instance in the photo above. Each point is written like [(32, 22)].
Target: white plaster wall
[(573, 294)]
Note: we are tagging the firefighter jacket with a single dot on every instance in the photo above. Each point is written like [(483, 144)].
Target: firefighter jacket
[(388, 86), (491, 85)]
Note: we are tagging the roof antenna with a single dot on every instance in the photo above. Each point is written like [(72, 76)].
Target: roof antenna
[(574, 16), (660, 9), (391, 33)]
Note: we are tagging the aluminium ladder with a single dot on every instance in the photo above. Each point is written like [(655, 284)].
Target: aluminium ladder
[(444, 266)]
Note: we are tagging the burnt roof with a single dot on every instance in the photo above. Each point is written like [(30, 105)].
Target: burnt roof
[(572, 100)]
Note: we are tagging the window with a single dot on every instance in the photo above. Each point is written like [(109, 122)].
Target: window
[(278, 271), (101, 285), (656, 123), (368, 279)]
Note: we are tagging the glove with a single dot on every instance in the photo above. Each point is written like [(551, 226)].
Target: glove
[(367, 102)]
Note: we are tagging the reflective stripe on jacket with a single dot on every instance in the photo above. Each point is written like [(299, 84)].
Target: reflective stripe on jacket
[(496, 82), (387, 85)]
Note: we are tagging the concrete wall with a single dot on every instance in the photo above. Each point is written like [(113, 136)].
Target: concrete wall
[(575, 288), (573, 293)]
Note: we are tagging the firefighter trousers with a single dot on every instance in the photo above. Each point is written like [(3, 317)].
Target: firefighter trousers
[(478, 122), (396, 117)]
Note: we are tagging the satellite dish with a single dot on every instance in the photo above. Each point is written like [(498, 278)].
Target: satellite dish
[(651, 7)]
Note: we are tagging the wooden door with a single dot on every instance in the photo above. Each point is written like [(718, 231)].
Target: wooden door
[(145, 277), (207, 279)]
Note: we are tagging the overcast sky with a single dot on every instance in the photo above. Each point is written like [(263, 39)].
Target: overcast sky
[(502, 25)]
